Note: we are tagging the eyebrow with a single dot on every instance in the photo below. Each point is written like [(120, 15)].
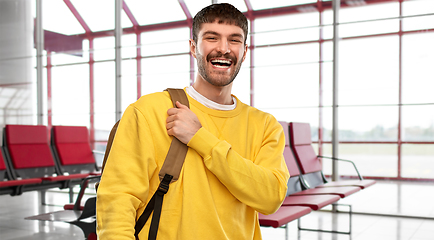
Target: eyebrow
[(218, 34)]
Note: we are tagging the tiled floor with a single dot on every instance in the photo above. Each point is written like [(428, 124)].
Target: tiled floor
[(394, 199)]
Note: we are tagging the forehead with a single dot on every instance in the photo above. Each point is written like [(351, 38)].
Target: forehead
[(223, 29)]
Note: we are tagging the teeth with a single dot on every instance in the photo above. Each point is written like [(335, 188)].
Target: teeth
[(220, 66), (221, 61)]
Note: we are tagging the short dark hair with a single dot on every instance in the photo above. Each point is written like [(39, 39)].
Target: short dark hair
[(225, 13)]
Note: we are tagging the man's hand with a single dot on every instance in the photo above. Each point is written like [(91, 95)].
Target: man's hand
[(182, 123)]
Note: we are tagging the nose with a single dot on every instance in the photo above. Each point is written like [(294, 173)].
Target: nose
[(223, 46)]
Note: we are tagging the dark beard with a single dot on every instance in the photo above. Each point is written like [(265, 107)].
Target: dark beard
[(217, 82)]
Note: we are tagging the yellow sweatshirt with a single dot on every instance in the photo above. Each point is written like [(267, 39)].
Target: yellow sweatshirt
[(234, 168)]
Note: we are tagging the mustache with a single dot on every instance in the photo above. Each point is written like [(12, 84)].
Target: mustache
[(220, 55)]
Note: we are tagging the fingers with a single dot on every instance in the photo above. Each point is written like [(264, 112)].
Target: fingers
[(180, 105), (173, 116), (182, 123), (173, 111)]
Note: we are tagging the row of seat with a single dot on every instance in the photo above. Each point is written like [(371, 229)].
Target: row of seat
[(31, 161), (308, 189)]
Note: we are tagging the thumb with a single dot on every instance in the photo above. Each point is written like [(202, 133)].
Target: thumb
[(180, 105)]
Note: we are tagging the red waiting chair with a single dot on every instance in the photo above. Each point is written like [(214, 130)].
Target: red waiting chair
[(310, 164), (71, 147), (29, 157), (12, 186)]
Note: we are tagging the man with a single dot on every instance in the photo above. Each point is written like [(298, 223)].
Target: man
[(234, 166)]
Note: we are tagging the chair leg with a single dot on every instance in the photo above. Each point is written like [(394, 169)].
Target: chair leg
[(43, 193), (71, 194), (286, 232)]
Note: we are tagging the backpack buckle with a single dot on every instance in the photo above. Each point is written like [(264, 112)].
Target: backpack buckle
[(164, 184)]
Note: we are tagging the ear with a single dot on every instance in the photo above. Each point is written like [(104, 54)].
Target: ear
[(245, 52), (192, 47)]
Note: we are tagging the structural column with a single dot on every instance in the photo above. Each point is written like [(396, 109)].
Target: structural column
[(118, 58), (39, 64), (335, 130)]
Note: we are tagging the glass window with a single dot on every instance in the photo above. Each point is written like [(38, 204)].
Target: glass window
[(58, 18), (70, 95), (418, 123), (417, 74), (327, 83), (146, 14), (307, 115), (69, 58), (195, 6), (241, 86), (104, 99), (103, 124), (159, 73), (104, 86), (165, 42), (417, 161), (417, 7), (286, 36), (287, 28), (104, 20), (368, 71), (376, 123), (327, 122), (129, 83), (418, 23), (100, 146), (286, 55), (365, 28), (363, 13), (370, 159), (104, 48), (286, 86), (129, 46)]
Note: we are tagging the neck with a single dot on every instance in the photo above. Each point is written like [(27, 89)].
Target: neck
[(221, 95)]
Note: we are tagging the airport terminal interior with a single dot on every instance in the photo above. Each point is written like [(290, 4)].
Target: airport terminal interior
[(356, 74)]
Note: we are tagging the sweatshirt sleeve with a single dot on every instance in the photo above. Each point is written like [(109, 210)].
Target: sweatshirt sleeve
[(124, 185), (260, 183)]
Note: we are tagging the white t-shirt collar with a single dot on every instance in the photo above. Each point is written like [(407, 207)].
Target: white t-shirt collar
[(208, 103)]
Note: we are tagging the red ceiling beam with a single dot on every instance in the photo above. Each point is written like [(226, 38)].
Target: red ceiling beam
[(186, 11), (77, 16), (129, 14), (248, 5), (249, 9)]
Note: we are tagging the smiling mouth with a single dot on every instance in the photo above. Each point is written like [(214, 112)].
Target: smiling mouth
[(221, 63)]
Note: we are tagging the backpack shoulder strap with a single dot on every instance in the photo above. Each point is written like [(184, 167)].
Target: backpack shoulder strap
[(175, 157), (109, 144), (178, 94), (169, 173)]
